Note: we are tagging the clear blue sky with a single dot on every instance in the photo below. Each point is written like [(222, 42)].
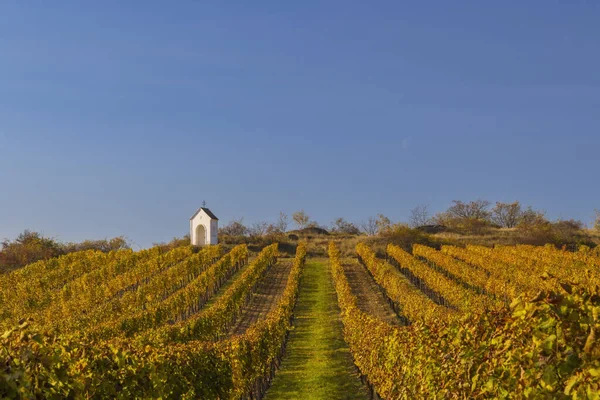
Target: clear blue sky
[(120, 117)]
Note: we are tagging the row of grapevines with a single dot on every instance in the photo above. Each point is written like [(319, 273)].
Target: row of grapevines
[(473, 276), (96, 307), (524, 268), (54, 272), (114, 280), (584, 254), (188, 300), (213, 323), (173, 279), (29, 290), (366, 336), (80, 299), (517, 260), (38, 365), (453, 294), (523, 280), (545, 348), (412, 303), (578, 266), (257, 352)]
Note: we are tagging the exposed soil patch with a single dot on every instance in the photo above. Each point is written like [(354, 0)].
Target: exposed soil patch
[(265, 297), (371, 299)]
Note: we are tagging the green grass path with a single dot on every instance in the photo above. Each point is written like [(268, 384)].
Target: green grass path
[(318, 363)]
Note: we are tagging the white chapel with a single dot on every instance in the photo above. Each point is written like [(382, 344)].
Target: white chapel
[(204, 226)]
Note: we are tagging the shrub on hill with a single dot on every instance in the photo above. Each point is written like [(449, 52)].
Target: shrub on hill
[(174, 243), (27, 248), (568, 233), (30, 247)]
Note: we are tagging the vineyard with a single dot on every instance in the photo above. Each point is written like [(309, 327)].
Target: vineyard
[(474, 322)]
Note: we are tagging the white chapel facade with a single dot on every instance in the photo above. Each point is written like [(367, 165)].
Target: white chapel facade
[(204, 226)]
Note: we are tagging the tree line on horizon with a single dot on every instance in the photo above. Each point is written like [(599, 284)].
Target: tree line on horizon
[(477, 217), (473, 217)]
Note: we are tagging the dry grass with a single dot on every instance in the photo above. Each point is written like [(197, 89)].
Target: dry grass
[(318, 363)]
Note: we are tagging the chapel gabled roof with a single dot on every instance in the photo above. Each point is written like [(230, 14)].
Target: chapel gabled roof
[(207, 211)]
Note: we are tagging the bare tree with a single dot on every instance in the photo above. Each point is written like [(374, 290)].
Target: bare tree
[(477, 209), (419, 216), (383, 223), (301, 219), (272, 229), (369, 226), (235, 227), (282, 222), (507, 215), (530, 217), (340, 225), (258, 229), (597, 220), (315, 224)]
